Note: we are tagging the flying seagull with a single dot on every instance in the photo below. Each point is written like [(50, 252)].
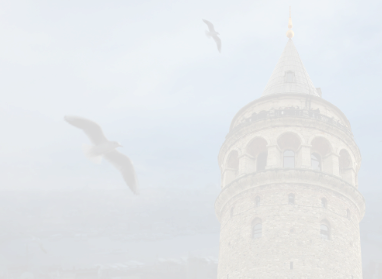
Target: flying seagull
[(212, 33), (38, 240), (105, 148)]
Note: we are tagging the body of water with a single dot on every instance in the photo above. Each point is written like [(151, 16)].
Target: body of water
[(96, 250), (86, 253)]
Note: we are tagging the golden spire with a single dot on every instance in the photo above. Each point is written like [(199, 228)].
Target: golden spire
[(290, 33)]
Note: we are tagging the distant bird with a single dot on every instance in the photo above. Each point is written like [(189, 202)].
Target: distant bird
[(105, 148), (212, 33), (38, 240)]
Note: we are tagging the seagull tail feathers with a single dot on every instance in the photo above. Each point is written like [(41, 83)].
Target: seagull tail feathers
[(87, 149)]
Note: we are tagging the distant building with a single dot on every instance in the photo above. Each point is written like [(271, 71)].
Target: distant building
[(86, 273), (201, 268), (170, 265), (14, 271), (134, 264), (52, 271), (123, 275)]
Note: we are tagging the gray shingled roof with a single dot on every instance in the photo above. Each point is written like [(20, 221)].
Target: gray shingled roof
[(290, 75)]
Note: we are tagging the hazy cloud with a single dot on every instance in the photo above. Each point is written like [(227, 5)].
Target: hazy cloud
[(146, 70)]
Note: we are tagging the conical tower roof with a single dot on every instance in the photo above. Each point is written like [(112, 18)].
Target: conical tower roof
[(290, 75)]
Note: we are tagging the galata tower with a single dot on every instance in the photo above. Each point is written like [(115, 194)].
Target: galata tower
[(289, 205)]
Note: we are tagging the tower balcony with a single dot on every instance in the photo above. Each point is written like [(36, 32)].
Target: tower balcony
[(290, 112), (290, 140)]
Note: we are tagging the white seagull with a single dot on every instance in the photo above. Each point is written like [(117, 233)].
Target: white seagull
[(105, 148), (38, 240), (212, 33)]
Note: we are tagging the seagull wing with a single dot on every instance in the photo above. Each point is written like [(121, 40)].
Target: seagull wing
[(39, 242), (42, 247), (125, 166), (218, 42), (210, 25), (91, 129)]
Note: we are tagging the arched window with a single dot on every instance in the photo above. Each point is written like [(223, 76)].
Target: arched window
[(288, 159), (291, 198), (257, 201), (348, 214), (257, 230), (324, 203), (315, 160), (261, 161), (231, 212), (289, 77), (325, 230)]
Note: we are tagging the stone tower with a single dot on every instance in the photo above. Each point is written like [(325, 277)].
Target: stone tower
[(289, 205)]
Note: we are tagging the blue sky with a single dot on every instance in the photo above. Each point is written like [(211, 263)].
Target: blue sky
[(145, 71)]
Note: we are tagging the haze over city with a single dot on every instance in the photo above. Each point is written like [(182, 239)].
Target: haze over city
[(146, 72)]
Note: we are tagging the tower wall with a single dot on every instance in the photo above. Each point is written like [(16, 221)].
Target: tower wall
[(294, 242), (241, 256)]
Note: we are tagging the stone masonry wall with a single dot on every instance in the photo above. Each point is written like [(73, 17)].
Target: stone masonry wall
[(292, 242), (290, 233)]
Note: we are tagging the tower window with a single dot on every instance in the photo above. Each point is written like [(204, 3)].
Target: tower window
[(315, 161), (261, 161), (291, 198), (291, 265), (257, 201), (289, 159), (231, 212), (348, 214), (289, 76), (324, 230), (257, 230), (324, 203)]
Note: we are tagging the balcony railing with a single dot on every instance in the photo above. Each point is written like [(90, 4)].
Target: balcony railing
[(291, 112)]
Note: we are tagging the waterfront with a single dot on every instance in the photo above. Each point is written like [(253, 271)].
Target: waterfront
[(86, 253)]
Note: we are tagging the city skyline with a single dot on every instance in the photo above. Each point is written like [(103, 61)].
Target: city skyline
[(147, 73)]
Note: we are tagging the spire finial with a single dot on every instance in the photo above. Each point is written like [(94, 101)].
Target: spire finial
[(290, 33)]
